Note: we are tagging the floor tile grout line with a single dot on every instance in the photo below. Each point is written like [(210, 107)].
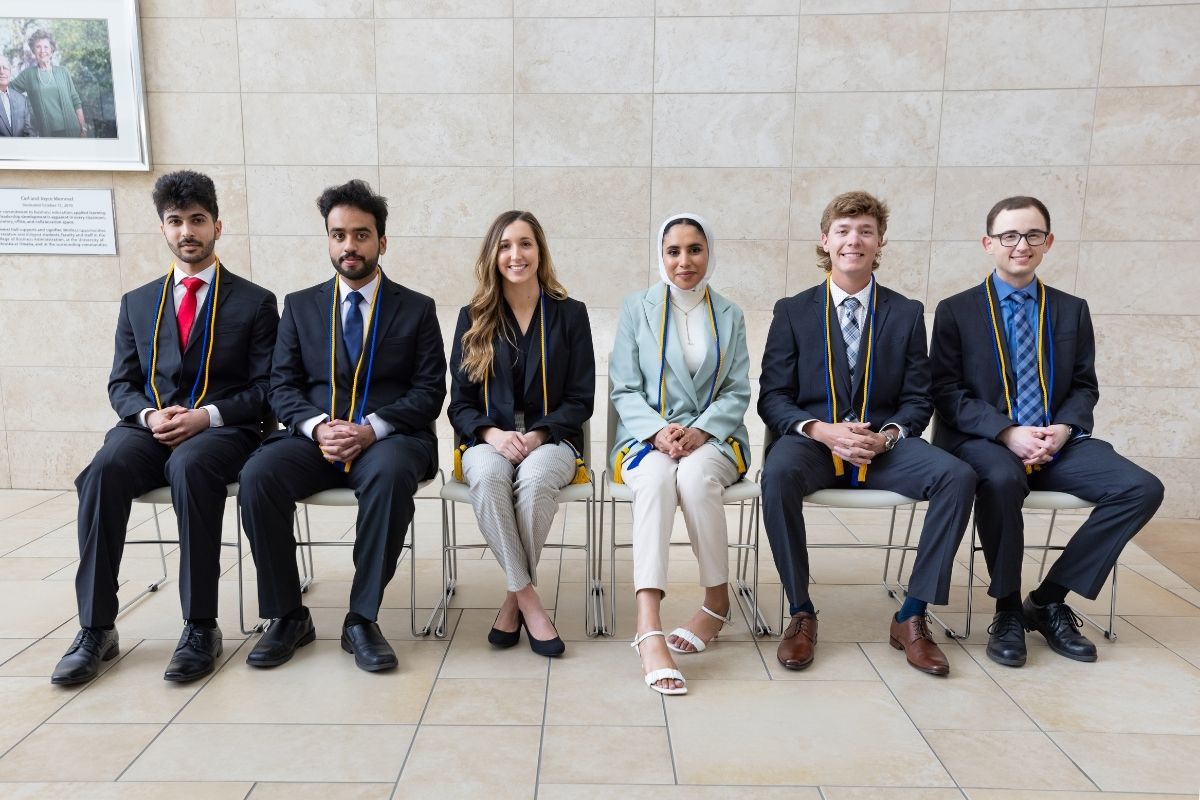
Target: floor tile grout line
[(537, 774), (199, 689), (449, 640), (908, 716), (57, 494)]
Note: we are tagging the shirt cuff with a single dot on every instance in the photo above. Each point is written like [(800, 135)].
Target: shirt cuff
[(309, 425), (381, 426), (214, 416), (899, 429), (143, 414), (800, 427)]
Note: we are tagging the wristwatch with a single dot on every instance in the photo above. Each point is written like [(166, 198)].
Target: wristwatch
[(890, 440)]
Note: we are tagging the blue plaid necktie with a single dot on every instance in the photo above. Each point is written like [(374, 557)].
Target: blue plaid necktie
[(851, 332), (1029, 389), (352, 329)]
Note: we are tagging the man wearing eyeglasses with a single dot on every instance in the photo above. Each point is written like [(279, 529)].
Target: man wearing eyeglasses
[(1014, 385)]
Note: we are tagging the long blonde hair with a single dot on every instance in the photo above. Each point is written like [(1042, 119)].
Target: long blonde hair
[(486, 308)]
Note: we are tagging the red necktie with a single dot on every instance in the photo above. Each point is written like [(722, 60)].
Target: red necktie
[(187, 310)]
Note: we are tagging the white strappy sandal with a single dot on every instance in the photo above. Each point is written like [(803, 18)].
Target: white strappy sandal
[(694, 640), (654, 676)]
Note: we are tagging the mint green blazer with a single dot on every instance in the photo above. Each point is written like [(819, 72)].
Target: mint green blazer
[(634, 368)]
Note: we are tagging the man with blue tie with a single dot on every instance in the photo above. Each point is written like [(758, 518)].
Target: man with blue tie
[(1014, 384), (358, 378)]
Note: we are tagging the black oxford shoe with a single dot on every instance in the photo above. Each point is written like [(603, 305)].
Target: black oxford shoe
[(196, 654), (82, 660), (1060, 625), (371, 651), (279, 642), (1006, 639)]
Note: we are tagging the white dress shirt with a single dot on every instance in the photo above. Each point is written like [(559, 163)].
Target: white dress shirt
[(178, 293), (381, 426)]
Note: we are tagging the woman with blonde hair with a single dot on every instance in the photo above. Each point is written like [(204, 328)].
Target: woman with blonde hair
[(681, 386), (523, 383)]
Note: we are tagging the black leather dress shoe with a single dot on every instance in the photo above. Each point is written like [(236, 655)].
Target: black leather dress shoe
[(82, 660), (1006, 639), (1060, 625), (371, 651), (504, 639), (196, 654), (544, 647), (279, 642)]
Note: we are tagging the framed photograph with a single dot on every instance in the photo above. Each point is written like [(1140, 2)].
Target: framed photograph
[(71, 91)]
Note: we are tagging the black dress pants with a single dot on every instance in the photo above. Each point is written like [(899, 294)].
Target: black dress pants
[(290, 467), (130, 463)]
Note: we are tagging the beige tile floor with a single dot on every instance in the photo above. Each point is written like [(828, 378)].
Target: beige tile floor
[(459, 719)]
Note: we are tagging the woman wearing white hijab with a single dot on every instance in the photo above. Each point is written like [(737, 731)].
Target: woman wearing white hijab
[(680, 375)]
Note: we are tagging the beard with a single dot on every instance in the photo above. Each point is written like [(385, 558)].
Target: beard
[(368, 266), (203, 253)]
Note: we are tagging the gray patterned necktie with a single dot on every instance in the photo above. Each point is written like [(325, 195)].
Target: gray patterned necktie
[(851, 332)]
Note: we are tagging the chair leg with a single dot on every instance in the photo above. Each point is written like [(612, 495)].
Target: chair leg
[(1046, 546), (308, 570), (162, 557), (449, 575), (596, 567), (1111, 633)]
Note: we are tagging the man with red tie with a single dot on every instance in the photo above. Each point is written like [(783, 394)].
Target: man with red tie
[(189, 383)]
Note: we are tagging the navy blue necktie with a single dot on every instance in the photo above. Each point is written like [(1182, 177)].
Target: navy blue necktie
[(352, 329), (1029, 387)]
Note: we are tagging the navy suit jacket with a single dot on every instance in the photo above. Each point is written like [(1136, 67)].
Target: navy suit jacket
[(239, 373), (20, 123), (570, 378), (792, 384), (408, 380), (967, 388)]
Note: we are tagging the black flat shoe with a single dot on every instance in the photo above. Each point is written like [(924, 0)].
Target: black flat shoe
[(196, 654), (82, 660), (544, 647), (1006, 639), (371, 651), (505, 639), (1060, 625), (280, 641)]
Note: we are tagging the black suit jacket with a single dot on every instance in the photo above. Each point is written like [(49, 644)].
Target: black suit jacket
[(792, 384), (244, 336), (967, 388), (570, 378), (408, 381)]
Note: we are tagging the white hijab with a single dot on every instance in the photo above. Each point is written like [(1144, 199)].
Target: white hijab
[(688, 298)]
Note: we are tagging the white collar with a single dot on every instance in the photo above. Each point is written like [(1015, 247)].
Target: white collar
[(839, 294), (367, 291), (205, 274)]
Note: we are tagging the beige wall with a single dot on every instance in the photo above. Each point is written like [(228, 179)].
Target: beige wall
[(603, 117)]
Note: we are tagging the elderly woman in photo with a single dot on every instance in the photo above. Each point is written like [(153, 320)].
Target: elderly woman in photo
[(57, 109), (680, 376)]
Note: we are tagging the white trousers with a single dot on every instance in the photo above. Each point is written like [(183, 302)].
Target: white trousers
[(694, 483), (515, 506)]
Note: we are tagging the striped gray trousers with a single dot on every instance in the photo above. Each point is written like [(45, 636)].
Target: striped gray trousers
[(515, 505)]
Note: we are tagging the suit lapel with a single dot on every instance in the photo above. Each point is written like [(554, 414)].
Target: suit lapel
[(881, 314), (837, 344)]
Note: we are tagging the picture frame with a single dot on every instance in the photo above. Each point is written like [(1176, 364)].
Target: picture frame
[(74, 68)]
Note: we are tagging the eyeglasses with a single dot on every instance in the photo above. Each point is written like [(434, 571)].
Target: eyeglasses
[(1012, 238)]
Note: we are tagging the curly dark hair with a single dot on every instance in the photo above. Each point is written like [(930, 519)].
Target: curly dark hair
[(42, 33), (182, 189), (356, 194)]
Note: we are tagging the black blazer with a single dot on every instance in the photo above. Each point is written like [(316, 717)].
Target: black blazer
[(792, 384), (244, 336), (570, 379), (408, 381), (967, 389)]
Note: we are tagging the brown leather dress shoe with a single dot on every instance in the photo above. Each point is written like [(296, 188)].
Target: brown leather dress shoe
[(913, 637), (799, 641)]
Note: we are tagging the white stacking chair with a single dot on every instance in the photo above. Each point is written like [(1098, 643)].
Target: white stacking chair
[(344, 498), (162, 497), (454, 492), (745, 578)]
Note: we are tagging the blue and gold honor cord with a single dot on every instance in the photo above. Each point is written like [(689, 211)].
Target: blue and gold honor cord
[(581, 472), (209, 315), (663, 327), (368, 352), (859, 476), (1045, 357)]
